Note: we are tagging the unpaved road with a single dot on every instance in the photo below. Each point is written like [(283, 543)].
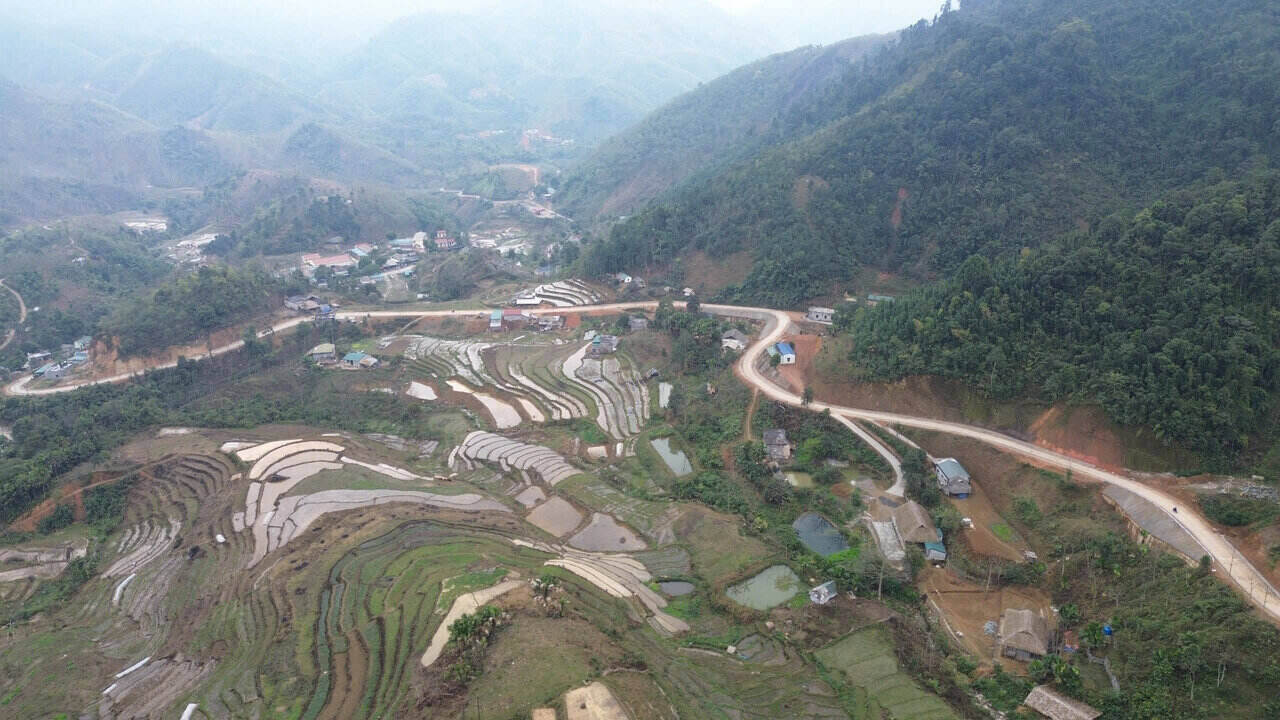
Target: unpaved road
[(22, 316), (1229, 562)]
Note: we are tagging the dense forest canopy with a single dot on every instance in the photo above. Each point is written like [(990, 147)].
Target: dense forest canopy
[(1000, 126), (190, 308), (1167, 319)]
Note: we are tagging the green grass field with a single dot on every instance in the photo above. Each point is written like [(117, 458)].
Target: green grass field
[(864, 660)]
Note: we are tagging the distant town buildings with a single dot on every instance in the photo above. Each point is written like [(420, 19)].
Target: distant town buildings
[(444, 241)]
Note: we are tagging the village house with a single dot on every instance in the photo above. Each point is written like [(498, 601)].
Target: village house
[(786, 353), (358, 360), (873, 300), (1024, 635), (913, 524), (495, 320), (623, 278), (776, 445), (1056, 706), (323, 354), (953, 479), (604, 345), (527, 299), (824, 593), (82, 343), (444, 242), (551, 322), (638, 323), (51, 371), (513, 319), (734, 340), (822, 315)]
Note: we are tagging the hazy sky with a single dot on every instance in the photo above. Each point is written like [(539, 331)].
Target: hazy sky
[(792, 22)]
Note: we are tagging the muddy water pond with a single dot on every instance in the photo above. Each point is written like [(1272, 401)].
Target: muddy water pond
[(772, 587), (819, 535), (674, 458), (799, 479), (676, 588)]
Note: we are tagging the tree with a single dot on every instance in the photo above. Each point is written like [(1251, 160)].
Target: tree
[(807, 397), (1091, 635)]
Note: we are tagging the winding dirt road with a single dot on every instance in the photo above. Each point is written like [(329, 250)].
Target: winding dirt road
[(1229, 562), (22, 316)]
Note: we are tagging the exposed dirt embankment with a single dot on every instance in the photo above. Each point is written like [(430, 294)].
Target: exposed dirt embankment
[(107, 362), (1082, 432)]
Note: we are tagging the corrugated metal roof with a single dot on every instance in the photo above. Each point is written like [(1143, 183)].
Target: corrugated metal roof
[(786, 348)]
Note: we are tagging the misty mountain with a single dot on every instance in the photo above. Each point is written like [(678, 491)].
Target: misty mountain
[(723, 121), (576, 69)]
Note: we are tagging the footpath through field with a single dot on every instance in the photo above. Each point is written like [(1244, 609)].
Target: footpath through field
[(1228, 560)]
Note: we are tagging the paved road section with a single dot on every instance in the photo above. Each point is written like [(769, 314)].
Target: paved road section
[(1229, 562)]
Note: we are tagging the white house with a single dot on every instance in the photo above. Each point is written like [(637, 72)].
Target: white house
[(825, 316)]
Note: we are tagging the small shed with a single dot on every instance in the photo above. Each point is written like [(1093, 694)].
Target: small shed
[(935, 552), (953, 479), (824, 593), (1056, 706), (914, 524), (776, 444), (1024, 635)]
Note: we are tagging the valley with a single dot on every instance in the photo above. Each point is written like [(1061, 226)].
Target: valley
[(529, 361)]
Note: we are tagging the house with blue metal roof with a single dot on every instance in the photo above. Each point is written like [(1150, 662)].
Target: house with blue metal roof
[(786, 353)]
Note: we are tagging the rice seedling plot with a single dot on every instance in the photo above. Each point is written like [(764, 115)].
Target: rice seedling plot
[(865, 660), (644, 515)]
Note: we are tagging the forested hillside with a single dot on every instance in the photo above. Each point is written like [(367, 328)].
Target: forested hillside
[(1167, 319), (1000, 126), (190, 308), (723, 121)]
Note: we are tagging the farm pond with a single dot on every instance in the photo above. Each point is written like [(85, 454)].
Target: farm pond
[(772, 587), (819, 535), (674, 458)]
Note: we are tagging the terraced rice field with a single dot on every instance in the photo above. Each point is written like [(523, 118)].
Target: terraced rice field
[(866, 661), (562, 293), (539, 382)]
